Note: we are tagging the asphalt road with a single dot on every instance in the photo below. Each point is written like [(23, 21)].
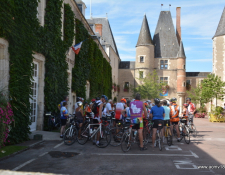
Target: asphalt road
[(181, 158)]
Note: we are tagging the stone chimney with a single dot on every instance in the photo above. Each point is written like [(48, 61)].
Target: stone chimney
[(178, 28), (98, 28)]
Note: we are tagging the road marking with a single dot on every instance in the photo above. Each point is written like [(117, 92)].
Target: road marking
[(185, 164), (59, 145), (173, 148), (43, 154), (24, 164), (195, 155), (117, 154)]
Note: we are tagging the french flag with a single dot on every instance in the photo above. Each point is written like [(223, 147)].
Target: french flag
[(76, 48)]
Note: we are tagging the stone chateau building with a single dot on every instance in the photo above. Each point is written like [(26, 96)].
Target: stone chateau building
[(164, 53), (219, 53)]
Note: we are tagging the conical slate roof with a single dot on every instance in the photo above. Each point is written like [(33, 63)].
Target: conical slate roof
[(181, 53), (145, 35), (221, 27), (165, 40)]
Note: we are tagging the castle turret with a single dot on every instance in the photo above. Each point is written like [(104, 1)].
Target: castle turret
[(144, 52)]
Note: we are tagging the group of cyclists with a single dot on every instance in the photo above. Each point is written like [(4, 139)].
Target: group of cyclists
[(135, 110)]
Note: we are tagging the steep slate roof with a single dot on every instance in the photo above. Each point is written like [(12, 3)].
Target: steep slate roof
[(165, 40), (106, 31), (145, 35), (181, 53), (127, 65), (221, 27), (197, 74)]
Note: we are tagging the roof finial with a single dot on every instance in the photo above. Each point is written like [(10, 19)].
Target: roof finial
[(169, 6), (161, 6), (106, 15)]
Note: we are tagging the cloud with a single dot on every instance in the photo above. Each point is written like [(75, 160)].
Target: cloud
[(200, 60)]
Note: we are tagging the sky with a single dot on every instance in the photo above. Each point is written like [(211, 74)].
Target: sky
[(199, 21)]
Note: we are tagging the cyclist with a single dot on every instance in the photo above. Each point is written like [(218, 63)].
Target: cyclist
[(80, 117), (191, 109), (174, 116), (157, 115), (87, 109), (108, 107), (167, 117), (64, 114), (61, 103), (79, 99), (136, 108), (97, 109)]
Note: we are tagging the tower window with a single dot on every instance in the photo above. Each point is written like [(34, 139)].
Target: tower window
[(184, 84), (164, 80), (141, 59), (163, 64), (141, 74)]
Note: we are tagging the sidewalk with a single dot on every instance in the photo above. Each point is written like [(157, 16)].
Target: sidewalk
[(210, 138), (46, 135)]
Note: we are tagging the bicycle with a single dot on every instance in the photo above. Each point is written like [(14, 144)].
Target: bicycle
[(88, 134), (192, 128), (185, 130), (168, 134), (117, 133), (147, 131), (127, 140), (70, 135), (53, 122), (159, 135)]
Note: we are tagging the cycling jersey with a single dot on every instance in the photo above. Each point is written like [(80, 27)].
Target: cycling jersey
[(174, 113), (136, 108), (191, 108), (157, 112)]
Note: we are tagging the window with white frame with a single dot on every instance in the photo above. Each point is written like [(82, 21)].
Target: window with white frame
[(163, 64), (142, 59), (188, 82), (164, 80)]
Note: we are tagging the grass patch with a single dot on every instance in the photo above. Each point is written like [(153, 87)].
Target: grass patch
[(10, 150)]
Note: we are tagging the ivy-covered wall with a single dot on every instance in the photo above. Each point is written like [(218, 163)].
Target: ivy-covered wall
[(90, 65), (20, 26)]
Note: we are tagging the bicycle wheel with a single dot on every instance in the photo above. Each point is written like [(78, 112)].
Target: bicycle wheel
[(194, 131), (70, 136), (105, 138), (146, 136), (126, 142), (84, 136), (116, 136), (169, 137), (159, 140), (187, 136)]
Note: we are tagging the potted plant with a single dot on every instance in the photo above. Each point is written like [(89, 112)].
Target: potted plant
[(200, 112), (118, 88), (217, 114), (126, 88)]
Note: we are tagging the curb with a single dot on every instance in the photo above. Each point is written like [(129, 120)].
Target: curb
[(18, 152)]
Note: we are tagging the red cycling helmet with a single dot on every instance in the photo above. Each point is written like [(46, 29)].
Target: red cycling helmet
[(185, 104), (93, 100)]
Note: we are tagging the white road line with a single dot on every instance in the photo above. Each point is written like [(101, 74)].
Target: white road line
[(59, 145), (117, 154), (43, 154), (195, 155), (22, 165)]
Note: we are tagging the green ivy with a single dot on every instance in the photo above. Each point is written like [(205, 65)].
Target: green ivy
[(90, 66), (20, 26)]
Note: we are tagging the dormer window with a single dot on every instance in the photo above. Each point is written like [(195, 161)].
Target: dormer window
[(142, 59)]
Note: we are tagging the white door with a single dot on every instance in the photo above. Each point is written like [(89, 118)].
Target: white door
[(33, 101)]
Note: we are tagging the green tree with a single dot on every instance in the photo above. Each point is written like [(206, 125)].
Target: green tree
[(150, 88), (213, 87)]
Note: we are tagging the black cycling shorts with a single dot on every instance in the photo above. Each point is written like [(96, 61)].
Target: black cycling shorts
[(166, 121), (95, 121), (136, 126), (156, 122), (175, 123), (63, 122)]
